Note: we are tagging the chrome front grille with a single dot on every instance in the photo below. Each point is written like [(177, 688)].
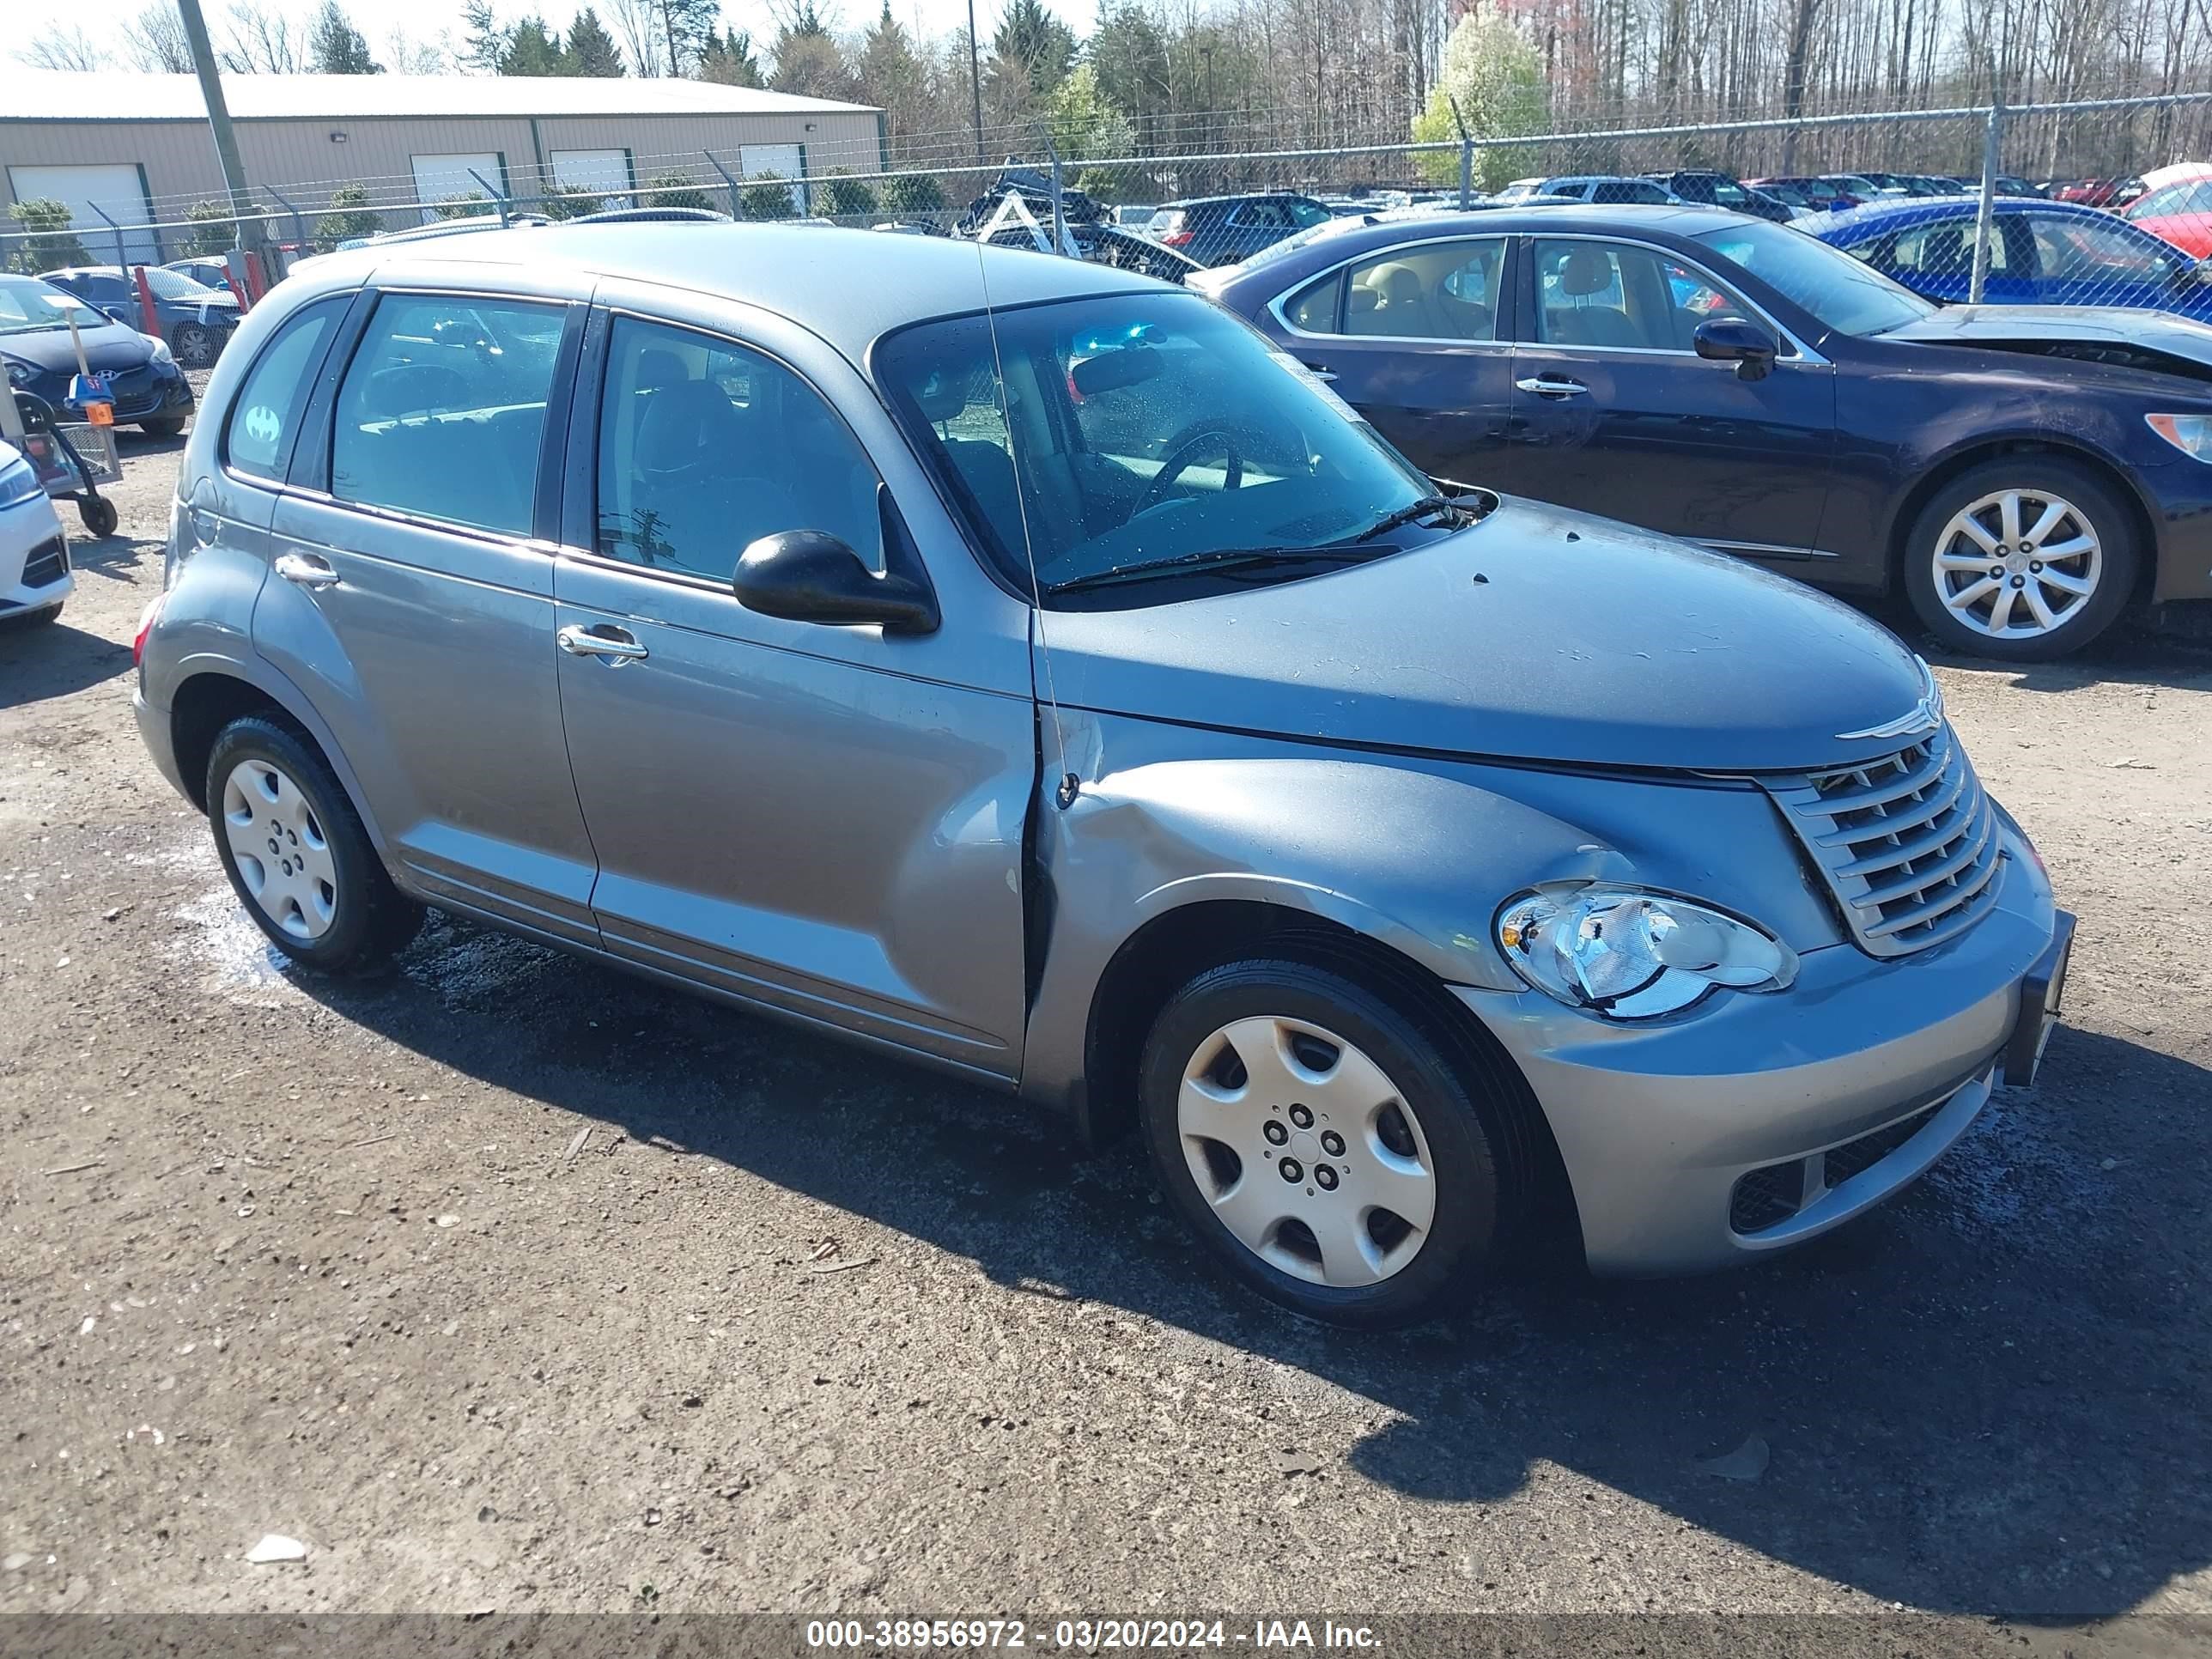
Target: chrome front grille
[(1908, 843)]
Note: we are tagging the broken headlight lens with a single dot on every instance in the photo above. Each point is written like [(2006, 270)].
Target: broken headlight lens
[(1624, 954)]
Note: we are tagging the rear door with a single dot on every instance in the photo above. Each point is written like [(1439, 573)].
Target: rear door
[(412, 599), (1614, 412), (1414, 337), (826, 821)]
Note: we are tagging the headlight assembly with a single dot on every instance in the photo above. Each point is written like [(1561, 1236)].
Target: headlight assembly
[(161, 352), (19, 484), (2189, 434), (1624, 954)]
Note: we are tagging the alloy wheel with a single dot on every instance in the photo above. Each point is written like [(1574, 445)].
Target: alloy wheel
[(1306, 1151), (194, 346), (278, 844), (2017, 564)]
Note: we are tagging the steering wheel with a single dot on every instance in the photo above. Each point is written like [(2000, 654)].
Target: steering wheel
[(1188, 449)]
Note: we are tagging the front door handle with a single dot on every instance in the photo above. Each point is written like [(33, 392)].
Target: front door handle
[(1319, 372), (1551, 386), (613, 644), (307, 570)]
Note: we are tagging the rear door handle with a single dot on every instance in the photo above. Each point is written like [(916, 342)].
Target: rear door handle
[(307, 569), (1551, 386), (613, 644)]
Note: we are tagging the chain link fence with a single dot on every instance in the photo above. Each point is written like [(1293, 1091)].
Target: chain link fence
[(2099, 201)]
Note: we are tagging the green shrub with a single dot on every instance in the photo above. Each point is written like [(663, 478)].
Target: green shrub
[(768, 197), (914, 192), (50, 243)]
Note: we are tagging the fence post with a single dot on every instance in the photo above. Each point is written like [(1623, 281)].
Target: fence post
[(498, 199), (122, 259), (1059, 219), (299, 225), (1466, 155), (728, 178), (1985, 216)]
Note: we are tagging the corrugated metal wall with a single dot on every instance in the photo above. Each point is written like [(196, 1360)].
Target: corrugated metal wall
[(301, 160)]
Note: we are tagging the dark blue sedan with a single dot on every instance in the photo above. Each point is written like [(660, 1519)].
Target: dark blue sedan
[(2023, 473), (197, 321), (145, 387), (2052, 253)]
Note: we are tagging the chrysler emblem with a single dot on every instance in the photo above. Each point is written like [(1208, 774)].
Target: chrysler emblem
[(1924, 716)]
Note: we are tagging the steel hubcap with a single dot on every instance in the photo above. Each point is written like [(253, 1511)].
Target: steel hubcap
[(277, 843), (2017, 563), (1306, 1151)]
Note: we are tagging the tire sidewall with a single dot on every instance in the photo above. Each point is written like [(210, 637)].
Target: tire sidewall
[(352, 858), (2117, 534), (1466, 1225)]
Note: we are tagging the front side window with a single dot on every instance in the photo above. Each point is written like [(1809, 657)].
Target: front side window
[(1603, 293), (1836, 289), (1446, 291), (441, 414), (2070, 250), (1136, 429), (1940, 251), (705, 446), (264, 416)]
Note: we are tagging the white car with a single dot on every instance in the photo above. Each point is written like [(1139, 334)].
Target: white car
[(34, 567)]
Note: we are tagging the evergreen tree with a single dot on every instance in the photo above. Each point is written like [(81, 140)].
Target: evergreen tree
[(807, 59), (767, 197), (732, 62), (1130, 56), (1030, 50), (349, 218), (532, 49), (591, 50), (843, 197), (335, 47), (914, 192), (487, 41), (891, 75)]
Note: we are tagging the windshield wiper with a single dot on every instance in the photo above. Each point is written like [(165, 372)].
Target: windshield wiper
[(1425, 507), (1210, 558)]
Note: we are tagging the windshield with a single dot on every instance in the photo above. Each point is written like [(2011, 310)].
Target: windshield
[(1141, 427), (1843, 294), (26, 304)]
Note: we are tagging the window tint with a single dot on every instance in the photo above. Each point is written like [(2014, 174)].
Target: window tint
[(1605, 293), (705, 446), (442, 411), (2073, 250), (257, 436), (1447, 291)]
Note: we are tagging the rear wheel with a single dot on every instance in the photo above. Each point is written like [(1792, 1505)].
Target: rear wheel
[(2024, 558), (194, 346), (1321, 1144), (297, 853)]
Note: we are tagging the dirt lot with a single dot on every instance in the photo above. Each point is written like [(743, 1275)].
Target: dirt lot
[(289, 1257)]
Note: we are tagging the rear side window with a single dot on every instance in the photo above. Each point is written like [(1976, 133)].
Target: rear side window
[(1314, 309), (442, 411), (264, 416)]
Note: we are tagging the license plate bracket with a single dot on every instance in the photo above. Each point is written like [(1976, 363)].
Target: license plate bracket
[(2041, 989)]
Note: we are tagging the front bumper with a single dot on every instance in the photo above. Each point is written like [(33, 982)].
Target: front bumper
[(1657, 1125)]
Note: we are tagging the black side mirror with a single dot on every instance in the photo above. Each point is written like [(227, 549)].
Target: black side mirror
[(810, 575), (1738, 341)]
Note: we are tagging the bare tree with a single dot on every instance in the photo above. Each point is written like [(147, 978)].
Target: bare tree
[(60, 47), (262, 41), (155, 40)]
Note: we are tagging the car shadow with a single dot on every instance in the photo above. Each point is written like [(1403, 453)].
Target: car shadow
[(1986, 1398), (38, 663)]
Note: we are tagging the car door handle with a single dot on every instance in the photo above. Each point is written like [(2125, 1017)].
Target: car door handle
[(1319, 372), (307, 570), (1551, 386), (611, 643)]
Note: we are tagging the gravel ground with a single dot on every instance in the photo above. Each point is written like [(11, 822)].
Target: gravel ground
[(290, 1257)]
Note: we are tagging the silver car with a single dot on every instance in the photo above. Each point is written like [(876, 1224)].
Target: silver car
[(1020, 666)]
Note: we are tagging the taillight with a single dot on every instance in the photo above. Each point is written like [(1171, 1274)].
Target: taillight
[(1176, 238), (146, 620)]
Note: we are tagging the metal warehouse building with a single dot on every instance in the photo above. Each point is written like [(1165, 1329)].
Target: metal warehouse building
[(136, 148)]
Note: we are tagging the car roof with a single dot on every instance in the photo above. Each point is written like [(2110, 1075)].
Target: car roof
[(1897, 212), (1238, 195), (845, 285)]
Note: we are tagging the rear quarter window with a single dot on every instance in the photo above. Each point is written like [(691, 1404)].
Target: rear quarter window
[(264, 417)]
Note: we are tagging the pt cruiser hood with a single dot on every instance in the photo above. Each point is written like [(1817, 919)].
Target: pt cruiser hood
[(1538, 634)]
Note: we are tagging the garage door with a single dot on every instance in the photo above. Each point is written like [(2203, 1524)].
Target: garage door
[(785, 161), (117, 191), (602, 170), (455, 177)]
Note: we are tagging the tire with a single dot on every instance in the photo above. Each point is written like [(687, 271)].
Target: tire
[(99, 515), (168, 427), (194, 346), (1990, 610), (1360, 1261), (298, 858), (24, 621)]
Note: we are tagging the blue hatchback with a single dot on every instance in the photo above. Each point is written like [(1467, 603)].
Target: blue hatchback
[(2045, 252)]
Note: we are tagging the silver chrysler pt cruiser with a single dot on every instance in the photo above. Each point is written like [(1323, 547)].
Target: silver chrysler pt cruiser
[(1023, 668)]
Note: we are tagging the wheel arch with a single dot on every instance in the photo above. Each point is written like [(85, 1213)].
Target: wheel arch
[(1171, 947), (208, 699), (1965, 458)]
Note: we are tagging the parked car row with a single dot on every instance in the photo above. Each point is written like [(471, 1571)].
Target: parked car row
[(147, 389)]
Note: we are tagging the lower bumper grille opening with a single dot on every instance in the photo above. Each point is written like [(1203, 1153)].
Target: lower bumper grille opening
[(1766, 1198), (48, 563), (1855, 1156)]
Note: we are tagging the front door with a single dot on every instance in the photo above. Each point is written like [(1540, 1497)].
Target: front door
[(1413, 338), (412, 604), (1615, 413), (819, 819)]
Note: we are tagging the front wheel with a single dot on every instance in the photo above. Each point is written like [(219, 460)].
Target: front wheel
[(297, 854), (1321, 1144), (193, 345), (168, 427), (2026, 558)]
